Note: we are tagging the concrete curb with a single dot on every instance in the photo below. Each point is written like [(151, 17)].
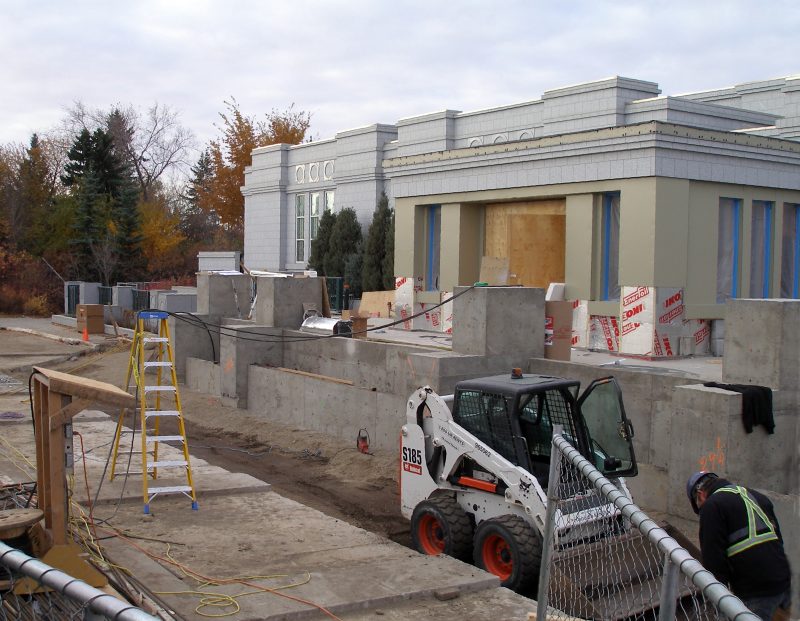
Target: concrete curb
[(53, 337)]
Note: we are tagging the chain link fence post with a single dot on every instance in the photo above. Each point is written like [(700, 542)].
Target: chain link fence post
[(669, 590)]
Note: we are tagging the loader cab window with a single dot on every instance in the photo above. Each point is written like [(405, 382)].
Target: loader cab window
[(486, 416), (538, 413), (610, 432)]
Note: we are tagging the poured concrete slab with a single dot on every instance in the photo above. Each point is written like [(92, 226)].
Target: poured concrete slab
[(333, 564), (96, 431)]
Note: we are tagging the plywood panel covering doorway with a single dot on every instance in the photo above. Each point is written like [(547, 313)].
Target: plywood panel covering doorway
[(532, 236)]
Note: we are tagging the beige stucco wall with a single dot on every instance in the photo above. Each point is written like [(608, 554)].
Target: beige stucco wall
[(703, 214), (579, 239), (668, 236), (461, 244)]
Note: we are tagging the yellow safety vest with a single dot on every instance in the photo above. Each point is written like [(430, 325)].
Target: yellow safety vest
[(745, 538)]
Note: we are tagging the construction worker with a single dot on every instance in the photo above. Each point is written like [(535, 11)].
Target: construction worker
[(741, 543)]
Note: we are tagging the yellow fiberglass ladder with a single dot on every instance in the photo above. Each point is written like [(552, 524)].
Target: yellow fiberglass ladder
[(156, 386)]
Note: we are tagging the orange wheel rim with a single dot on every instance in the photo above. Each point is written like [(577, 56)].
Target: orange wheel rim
[(431, 535), (497, 557)]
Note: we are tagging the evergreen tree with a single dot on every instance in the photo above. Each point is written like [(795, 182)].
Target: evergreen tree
[(388, 257), (86, 224), (128, 232), (353, 270), (79, 156), (107, 224), (345, 236), (320, 245), (34, 197), (375, 248)]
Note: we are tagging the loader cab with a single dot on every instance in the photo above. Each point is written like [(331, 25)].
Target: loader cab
[(515, 415)]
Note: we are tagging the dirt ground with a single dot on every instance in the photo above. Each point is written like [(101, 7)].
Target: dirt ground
[(312, 468)]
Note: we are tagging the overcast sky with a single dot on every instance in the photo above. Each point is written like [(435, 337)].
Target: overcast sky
[(353, 63)]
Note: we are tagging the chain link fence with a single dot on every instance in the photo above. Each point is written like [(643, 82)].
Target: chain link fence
[(604, 558), (31, 589)]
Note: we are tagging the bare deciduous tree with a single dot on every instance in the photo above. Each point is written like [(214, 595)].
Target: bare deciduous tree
[(152, 142)]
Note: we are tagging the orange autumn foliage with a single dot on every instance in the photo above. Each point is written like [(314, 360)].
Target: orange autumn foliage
[(232, 153), (161, 236)]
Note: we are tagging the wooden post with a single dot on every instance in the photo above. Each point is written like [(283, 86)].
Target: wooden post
[(57, 398)]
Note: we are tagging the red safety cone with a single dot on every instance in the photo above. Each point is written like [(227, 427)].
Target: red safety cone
[(85, 333)]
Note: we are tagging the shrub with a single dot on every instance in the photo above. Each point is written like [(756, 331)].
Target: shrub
[(37, 305)]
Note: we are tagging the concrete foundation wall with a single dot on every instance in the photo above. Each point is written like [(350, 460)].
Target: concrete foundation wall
[(241, 346), (708, 434), (762, 341), (89, 293), (280, 300), (499, 321), (318, 404), (203, 375), (122, 295), (193, 337), (223, 295), (177, 302)]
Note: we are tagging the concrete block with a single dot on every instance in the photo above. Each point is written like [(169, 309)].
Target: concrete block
[(218, 261), (338, 409), (280, 300), (391, 417), (759, 459), (323, 405), (203, 375), (89, 293), (242, 346), (699, 438), (762, 338), (707, 434), (193, 336), (787, 510), (223, 295), (650, 488), (122, 295), (178, 302), (499, 320)]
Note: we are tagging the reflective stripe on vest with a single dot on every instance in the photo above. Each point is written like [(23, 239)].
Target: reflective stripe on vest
[(756, 519)]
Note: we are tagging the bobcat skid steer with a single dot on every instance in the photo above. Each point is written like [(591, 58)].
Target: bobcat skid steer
[(473, 481)]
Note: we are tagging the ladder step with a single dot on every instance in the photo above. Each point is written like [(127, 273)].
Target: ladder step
[(164, 388), (147, 365), (175, 489), (164, 439), (156, 339), (149, 413), (167, 464)]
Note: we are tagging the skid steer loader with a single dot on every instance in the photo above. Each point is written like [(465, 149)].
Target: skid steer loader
[(474, 479)]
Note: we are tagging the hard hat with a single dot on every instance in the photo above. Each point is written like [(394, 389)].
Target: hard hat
[(692, 483)]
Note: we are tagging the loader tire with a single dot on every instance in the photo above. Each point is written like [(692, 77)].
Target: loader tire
[(511, 549), (440, 526)]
